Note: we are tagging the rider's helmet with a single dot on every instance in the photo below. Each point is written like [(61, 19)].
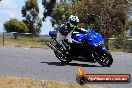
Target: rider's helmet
[(73, 21)]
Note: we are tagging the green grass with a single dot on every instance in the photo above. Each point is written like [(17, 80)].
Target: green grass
[(24, 42)]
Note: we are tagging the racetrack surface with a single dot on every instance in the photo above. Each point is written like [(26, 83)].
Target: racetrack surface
[(42, 64)]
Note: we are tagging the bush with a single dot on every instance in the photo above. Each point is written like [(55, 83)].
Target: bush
[(128, 47), (14, 25), (123, 43), (120, 41)]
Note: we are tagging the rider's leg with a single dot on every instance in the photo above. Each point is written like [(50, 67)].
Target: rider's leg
[(69, 38), (60, 39)]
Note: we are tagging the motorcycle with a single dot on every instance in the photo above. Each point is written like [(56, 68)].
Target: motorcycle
[(87, 47)]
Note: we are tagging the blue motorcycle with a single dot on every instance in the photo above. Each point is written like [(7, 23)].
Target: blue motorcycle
[(87, 46)]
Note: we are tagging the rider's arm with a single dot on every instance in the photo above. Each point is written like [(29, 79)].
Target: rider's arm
[(81, 30), (63, 30)]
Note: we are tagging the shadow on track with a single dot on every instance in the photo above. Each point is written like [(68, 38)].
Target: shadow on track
[(70, 64)]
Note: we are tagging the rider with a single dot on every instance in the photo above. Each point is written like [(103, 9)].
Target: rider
[(66, 30)]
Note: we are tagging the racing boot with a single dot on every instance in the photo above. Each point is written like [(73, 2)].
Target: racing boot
[(66, 47)]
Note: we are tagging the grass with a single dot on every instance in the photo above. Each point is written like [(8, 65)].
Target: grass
[(25, 42), (13, 82), (37, 42)]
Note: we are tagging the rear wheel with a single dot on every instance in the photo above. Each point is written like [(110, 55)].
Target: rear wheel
[(105, 59)]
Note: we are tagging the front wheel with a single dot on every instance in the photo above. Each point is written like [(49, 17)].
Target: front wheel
[(63, 58), (105, 59)]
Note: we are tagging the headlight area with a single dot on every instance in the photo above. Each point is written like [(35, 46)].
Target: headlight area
[(98, 44)]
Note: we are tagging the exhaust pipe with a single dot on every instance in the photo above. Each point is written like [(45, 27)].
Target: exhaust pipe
[(53, 47)]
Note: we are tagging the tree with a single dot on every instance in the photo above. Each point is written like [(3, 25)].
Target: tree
[(48, 7), (111, 13), (51, 5), (61, 13), (13, 25), (31, 13), (129, 27)]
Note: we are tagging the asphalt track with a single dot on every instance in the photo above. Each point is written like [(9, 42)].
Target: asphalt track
[(42, 64)]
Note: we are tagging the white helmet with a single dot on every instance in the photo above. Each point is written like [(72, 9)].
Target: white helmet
[(73, 19)]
